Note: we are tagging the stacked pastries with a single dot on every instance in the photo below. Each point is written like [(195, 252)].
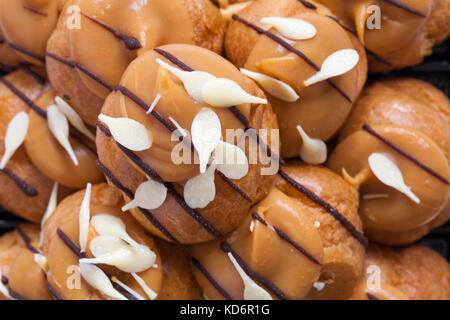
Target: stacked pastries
[(115, 138)]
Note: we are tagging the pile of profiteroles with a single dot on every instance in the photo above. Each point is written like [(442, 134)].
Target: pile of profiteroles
[(200, 149)]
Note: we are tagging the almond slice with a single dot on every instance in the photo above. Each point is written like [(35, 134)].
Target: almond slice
[(292, 28), (200, 190), (312, 151), (231, 160), (149, 195), (84, 217), (95, 277), (73, 117), (149, 292), (52, 202), (206, 133), (193, 81), (128, 132), (252, 291), (336, 64), (224, 93), (275, 87), (388, 173), (59, 127), (15, 135)]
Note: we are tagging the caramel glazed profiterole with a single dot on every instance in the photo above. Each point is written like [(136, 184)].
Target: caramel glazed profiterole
[(288, 247), (263, 40), (395, 149), (158, 93), (84, 234), (113, 33), (39, 147), (396, 33)]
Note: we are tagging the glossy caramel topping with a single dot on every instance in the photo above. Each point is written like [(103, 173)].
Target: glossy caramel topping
[(38, 18), (49, 156), (276, 246), (62, 249), (146, 79), (327, 102), (383, 207), (151, 24)]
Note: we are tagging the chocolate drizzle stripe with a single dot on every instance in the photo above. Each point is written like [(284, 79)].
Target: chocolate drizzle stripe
[(403, 6), (405, 154), (234, 187), (307, 4), (330, 209), (70, 244), (24, 98), (215, 2), (52, 290), (5, 280), (16, 295), (6, 68), (36, 11), (2, 40), (283, 235), (371, 296), (131, 43), (124, 292), (290, 48), (353, 32), (27, 241), (23, 186), (252, 274), (73, 65), (33, 74), (26, 52), (211, 279), (148, 215), (174, 60)]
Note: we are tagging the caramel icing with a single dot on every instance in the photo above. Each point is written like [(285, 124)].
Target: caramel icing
[(146, 79), (293, 62), (62, 249), (50, 157), (8, 58), (401, 24), (277, 246), (414, 153), (37, 17)]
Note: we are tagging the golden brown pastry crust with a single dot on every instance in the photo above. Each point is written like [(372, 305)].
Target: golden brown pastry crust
[(419, 272), (343, 254)]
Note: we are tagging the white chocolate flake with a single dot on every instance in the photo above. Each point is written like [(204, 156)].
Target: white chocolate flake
[(149, 292), (96, 278), (51, 206), (338, 63), (319, 286), (73, 118), (231, 160), (275, 87), (180, 129), (112, 250), (149, 195), (15, 135), (127, 288), (200, 190), (41, 261), (252, 290), (317, 224), (252, 226), (312, 151), (128, 132), (224, 93), (84, 217), (292, 28), (154, 103), (206, 133), (193, 81), (106, 224), (388, 173), (59, 127)]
